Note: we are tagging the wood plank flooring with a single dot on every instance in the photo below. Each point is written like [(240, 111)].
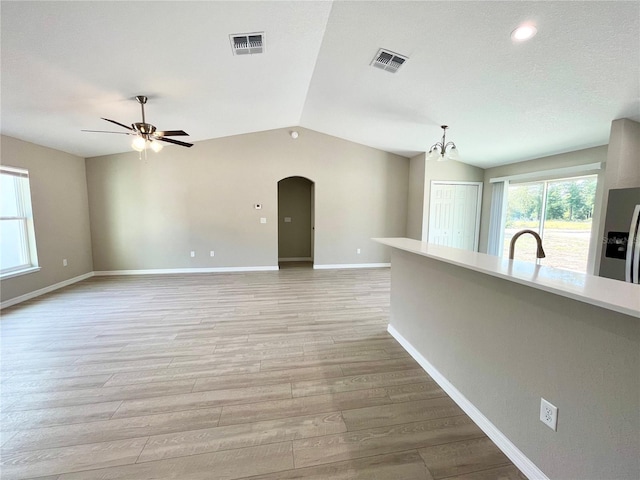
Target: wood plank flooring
[(264, 375)]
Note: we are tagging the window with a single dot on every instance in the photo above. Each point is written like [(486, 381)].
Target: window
[(560, 211), (17, 239)]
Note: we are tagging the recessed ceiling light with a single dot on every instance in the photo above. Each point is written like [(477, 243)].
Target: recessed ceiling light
[(524, 32)]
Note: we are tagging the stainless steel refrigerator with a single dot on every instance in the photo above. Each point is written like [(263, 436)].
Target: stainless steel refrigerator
[(621, 251)]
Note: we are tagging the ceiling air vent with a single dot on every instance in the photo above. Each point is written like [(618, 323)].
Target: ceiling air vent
[(387, 60), (247, 43)]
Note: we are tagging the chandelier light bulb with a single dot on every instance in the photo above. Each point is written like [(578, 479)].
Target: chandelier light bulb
[(453, 153), (138, 144)]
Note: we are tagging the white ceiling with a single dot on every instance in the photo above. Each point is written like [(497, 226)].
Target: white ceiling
[(66, 64)]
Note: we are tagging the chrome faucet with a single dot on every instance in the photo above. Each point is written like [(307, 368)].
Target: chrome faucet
[(512, 246)]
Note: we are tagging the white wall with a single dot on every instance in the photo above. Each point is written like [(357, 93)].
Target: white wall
[(150, 213), (60, 214)]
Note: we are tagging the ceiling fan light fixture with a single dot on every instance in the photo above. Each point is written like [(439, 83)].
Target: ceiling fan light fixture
[(138, 143), (156, 146), (144, 132)]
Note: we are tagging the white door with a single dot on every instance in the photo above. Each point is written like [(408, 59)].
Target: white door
[(454, 214)]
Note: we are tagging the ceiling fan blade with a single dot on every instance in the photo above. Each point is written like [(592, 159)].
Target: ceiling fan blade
[(172, 133), (176, 142), (117, 123), (104, 131)]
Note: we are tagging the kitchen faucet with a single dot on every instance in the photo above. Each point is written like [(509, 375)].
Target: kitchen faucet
[(512, 247)]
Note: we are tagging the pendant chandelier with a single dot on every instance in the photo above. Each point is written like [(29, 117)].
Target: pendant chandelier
[(443, 150)]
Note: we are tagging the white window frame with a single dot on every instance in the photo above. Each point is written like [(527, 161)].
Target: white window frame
[(543, 208), (499, 210), (25, 215)]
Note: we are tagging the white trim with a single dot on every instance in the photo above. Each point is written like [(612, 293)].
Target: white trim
[(170, 271), (17, 273), (42, 291), (15, 171), (502, 442), (351, 265), (295, 259), (553, 173)]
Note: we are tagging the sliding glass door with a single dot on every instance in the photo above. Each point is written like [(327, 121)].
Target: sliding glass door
[(560, 211)]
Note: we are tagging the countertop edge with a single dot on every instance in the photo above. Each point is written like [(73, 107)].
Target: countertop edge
[(598, 291)]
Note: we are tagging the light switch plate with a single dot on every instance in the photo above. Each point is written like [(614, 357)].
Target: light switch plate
[(263, 220)]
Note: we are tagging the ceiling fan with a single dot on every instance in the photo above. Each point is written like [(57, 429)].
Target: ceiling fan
[(146, 133)]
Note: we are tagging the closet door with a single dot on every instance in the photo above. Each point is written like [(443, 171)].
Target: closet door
[(454, 214)]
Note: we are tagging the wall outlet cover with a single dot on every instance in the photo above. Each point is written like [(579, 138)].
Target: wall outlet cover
[(549, 414)]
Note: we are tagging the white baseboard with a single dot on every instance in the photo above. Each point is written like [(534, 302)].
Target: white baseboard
[(169, 271), (351, 265), (295, 259), (518, 458), (42, 291)]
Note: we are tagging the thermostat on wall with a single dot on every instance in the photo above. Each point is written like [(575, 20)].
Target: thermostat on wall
[(258, 206)]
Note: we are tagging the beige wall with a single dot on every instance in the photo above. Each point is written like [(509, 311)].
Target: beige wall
[(150, 213), (60, 214), (504, 346), (415, 197), (450, 170), (571, 159), (623, 158), (294, 202)]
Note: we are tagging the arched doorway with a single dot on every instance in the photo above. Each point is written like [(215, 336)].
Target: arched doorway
[(295, 222)]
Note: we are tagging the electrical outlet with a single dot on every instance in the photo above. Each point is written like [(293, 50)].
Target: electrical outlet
[(193, 254), (549, 414), (64, 262), (358, 251), (212, 253)]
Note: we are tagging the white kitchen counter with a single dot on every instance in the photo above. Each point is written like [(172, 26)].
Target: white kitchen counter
[(603, 292)]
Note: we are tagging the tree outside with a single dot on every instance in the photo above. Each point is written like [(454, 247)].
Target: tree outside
[(566, 221)]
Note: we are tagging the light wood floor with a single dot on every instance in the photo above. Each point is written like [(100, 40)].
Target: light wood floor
[(266, 375)]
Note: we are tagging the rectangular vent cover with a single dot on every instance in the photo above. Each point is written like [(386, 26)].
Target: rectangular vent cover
[(247, 43), (388, 60)]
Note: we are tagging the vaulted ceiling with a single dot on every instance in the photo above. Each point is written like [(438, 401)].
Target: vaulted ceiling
[(66, 64)]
